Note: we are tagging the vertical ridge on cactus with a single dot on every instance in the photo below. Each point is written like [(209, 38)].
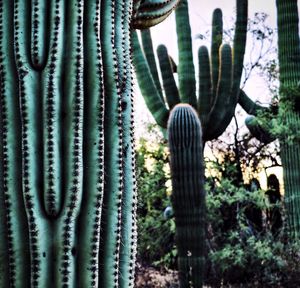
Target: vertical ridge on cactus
[(289, 59), (188, 195), (67, 186)]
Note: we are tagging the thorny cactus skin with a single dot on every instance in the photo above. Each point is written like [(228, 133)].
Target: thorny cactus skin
[(147, 13), (67, 184), (188, 196), (218, 89), (289, 77)]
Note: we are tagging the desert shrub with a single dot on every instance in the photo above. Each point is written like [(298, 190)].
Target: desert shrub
[(156, 233)]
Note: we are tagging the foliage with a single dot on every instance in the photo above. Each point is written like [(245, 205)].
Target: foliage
[(156, 244), (237, 250), (242, 252)]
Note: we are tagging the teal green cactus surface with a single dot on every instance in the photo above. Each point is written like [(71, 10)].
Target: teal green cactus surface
[(188, 195), (67, 168), (289, 109), (217, 94)]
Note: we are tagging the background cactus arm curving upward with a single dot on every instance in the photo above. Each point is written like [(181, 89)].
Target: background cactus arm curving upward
[(152, 98), (205, 86), (188, 195), (216, 42), (169, 84), (186, 70), (221, 115), (149, 55)]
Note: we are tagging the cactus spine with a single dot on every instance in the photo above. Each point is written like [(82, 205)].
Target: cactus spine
[(67, 184), (218, 89), (188, 196)]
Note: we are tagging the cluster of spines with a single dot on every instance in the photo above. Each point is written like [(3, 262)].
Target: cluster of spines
[(213, 103), (128, 225), (52, 197), (27, 158), (74, 188), (94, 117)]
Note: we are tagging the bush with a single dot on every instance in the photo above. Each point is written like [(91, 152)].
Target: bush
[(156, 234)]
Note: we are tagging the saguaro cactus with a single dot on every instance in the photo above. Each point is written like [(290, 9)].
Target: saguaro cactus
[(218, 88), (67, 185), (188, 196), (289, 108)]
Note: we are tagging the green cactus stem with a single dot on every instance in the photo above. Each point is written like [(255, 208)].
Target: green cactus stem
[(289, 68), (67, 184), (219, 77), (261, 131), (188, 195), (148, 13)]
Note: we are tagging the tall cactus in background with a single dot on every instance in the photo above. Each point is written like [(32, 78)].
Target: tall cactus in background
[(67, 184), (188, 196), (219, 79), (289, 108)]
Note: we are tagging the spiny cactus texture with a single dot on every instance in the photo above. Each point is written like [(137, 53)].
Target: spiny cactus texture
[(289, 108), (219, 77), (188, 196), (67, 184), (147, 13)]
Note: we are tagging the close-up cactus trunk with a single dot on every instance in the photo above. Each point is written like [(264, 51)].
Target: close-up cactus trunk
[(67, 168), (188, 195)]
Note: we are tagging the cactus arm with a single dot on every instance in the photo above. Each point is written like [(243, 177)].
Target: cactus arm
[(217, 36), (188, 196), (170, 88), (39, 41), (147, 85), (93, 181), (239, 45), (149, 54), (152, 12), (205, 87), (52, 95), (186, 71), (248, 105), (11, 163), (260, 133), (222, 111)]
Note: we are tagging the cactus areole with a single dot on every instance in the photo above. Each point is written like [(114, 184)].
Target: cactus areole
[(67, 185)]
